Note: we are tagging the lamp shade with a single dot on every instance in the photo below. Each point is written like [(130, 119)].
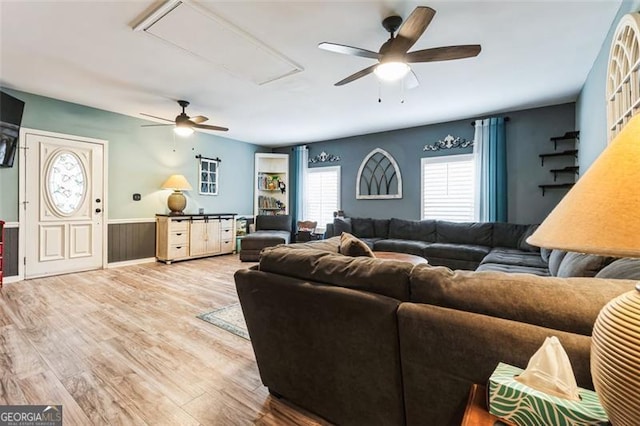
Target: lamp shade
[(178, 182), (601, 213)]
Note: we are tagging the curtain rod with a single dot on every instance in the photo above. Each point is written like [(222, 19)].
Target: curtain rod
[(207, 158), (473, 123)]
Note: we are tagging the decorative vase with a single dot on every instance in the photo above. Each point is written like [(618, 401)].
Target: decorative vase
[(177, 202), (615, 358)]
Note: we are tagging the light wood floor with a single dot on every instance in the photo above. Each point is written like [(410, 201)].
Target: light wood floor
[(124, 346)]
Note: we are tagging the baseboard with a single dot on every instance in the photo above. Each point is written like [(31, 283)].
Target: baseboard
[(11, 279), (131, 262)]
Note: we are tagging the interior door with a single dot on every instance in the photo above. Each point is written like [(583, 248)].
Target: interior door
[(64, 205)]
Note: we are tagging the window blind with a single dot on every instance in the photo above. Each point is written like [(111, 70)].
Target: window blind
[(448, 188), (322, 194)]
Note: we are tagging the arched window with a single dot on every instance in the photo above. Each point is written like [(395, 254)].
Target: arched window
[(378, 177), (623, 77)]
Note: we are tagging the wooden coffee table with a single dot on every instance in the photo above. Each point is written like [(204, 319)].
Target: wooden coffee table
[(403, 257)]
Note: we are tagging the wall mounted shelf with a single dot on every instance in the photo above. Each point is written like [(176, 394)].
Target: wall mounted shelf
[(567, 153), (569, 169), (555, 186)]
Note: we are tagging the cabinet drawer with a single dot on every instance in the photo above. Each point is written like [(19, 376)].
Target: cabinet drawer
[(179, 251), (226, 246), (226, 223), (226, 234), (177, 226), (179, 238)]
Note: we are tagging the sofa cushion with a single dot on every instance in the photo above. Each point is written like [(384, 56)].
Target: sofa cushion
[(555, 258), (340, 225), (523, 244), (401, 246), (381, 228), (476, 233), (423, 230), (362, 227), (352, 246), (521, 269), (582, 265), (273, 223), (261, 239), (456, 251), (385, 277), (626, 269), (371, 242), (507, 234), (567, 304), (506, 256)]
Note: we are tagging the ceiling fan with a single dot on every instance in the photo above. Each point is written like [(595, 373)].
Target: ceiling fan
[(393, 56), (184, 124)]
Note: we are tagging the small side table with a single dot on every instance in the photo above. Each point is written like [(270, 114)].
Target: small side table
[(238, 243), (476, 413)]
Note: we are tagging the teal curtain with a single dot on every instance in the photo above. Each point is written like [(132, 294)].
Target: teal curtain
[(490, 150), (299, 172)]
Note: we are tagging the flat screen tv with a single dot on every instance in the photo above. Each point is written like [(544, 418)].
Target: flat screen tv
[(10, 119)]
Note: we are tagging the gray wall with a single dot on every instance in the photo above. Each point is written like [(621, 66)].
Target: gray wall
[(528, 134), (140, 159), (591, 106)]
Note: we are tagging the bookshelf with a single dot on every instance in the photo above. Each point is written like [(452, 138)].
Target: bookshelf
[(271, 186)]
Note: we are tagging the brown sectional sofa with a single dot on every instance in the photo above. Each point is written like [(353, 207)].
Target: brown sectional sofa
[(381, 342), (479, 246)]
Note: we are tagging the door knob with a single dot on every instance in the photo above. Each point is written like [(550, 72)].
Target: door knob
[(98, 210)]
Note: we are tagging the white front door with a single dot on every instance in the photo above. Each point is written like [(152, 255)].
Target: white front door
[(64, 204)]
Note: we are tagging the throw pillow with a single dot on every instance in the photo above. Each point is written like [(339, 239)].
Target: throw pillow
[(582, 265), (545, 253), (352, 246)]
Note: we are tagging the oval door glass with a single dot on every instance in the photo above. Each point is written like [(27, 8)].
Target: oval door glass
[(66, 183)]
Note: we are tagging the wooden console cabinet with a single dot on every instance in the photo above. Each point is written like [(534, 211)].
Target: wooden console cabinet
[(191, 236)]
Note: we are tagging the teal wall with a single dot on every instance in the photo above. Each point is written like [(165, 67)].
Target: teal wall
[(140, 159), (528, 133), (591, 106)]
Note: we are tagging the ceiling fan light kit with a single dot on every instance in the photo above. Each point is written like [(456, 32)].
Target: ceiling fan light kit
[(185, 125), (394, 57), (392, 71), (182, 130)]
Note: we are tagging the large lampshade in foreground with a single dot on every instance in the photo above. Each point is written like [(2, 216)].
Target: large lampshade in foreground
[(177, 201), (601, 215)]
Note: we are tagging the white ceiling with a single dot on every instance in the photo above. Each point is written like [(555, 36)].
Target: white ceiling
[(533, 54)]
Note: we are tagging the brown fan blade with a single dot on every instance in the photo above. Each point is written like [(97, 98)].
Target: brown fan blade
[(207, 127), (155, 125), (411, 80), (199, 119), (348, 50), (412, 29), (357, 75), (159, 118), (444, 53)]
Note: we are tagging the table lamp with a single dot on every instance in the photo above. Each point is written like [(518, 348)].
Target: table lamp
[(601, 215), (177, 201)]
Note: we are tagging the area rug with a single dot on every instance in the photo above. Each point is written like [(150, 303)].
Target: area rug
[(229, 318)]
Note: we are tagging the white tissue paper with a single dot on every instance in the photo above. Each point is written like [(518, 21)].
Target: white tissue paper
[(549, 370)]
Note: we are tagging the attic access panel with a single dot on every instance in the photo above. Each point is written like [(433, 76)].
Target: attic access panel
[(200, 32)]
